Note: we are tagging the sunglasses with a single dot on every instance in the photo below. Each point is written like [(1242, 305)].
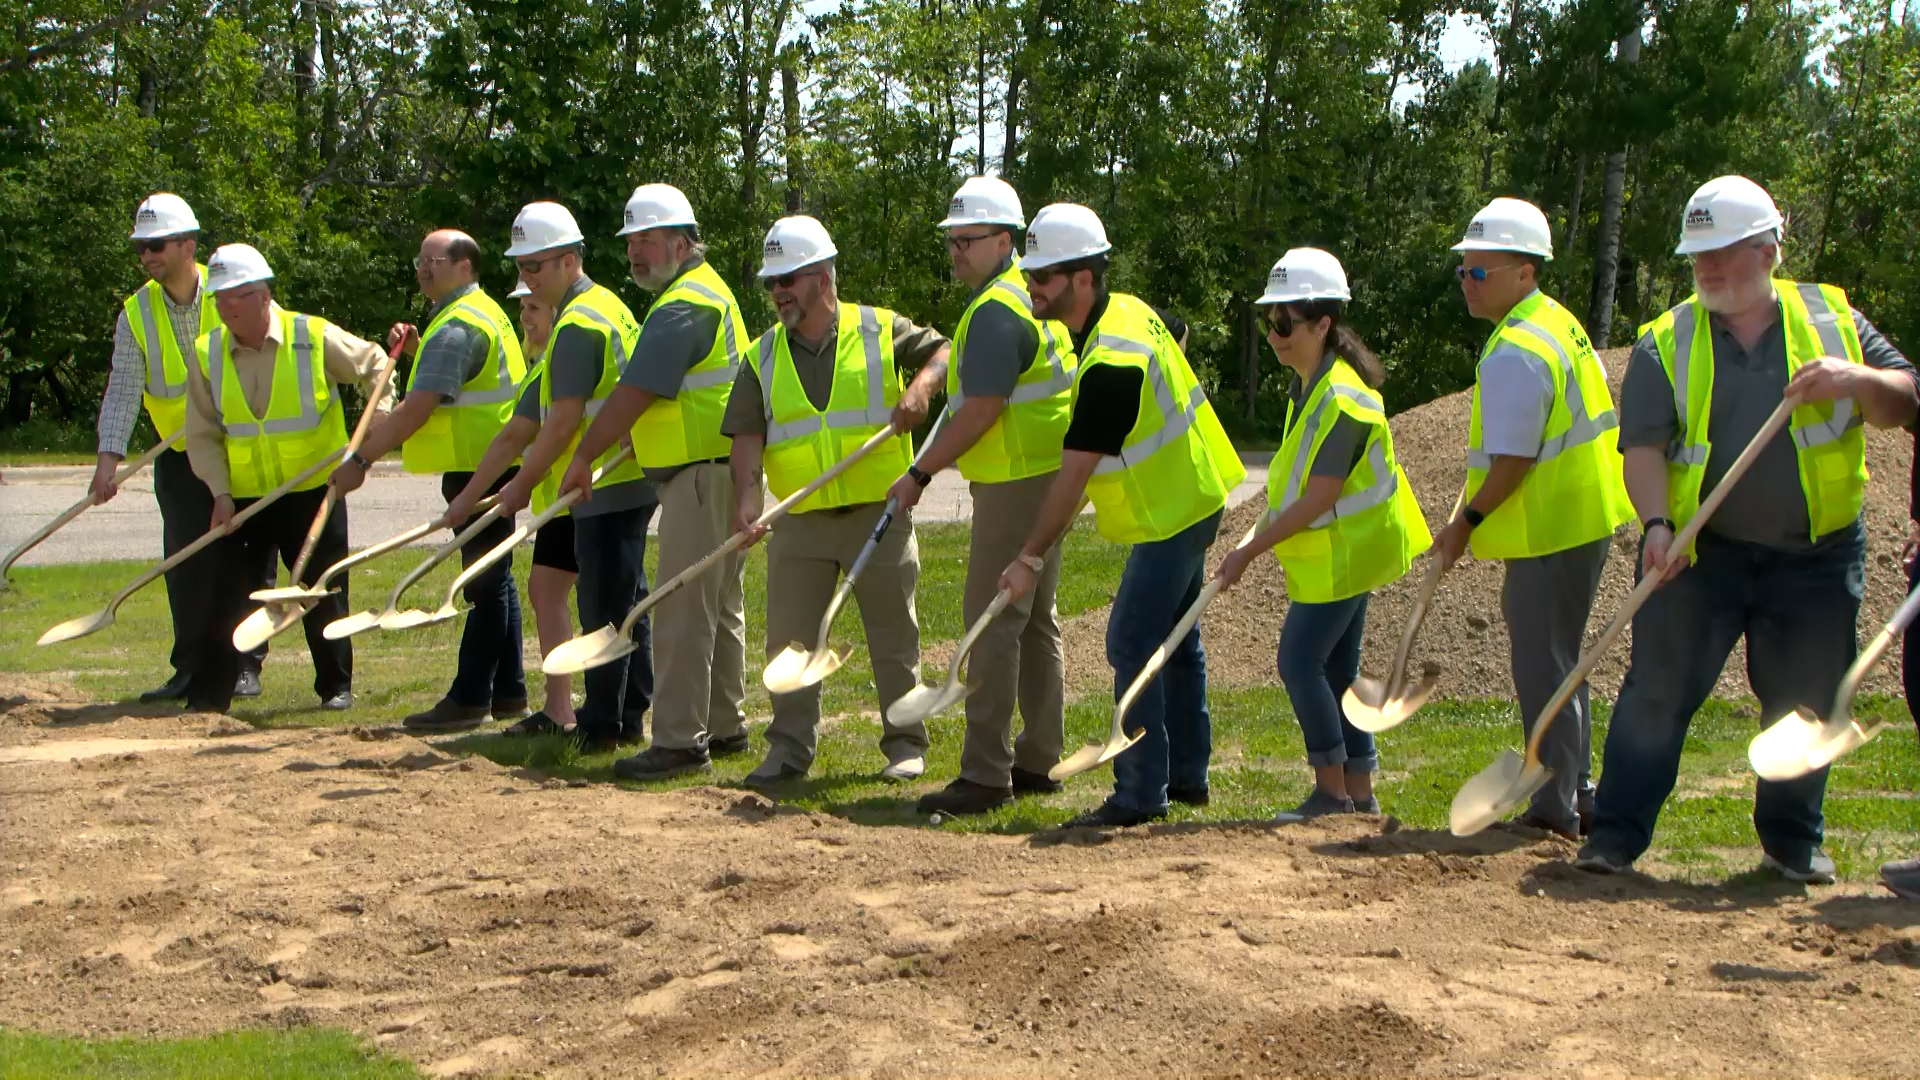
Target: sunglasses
[(155, 246), (1280, 320), (527, 266), (1478, 273), (783, 281), (1046, 276)]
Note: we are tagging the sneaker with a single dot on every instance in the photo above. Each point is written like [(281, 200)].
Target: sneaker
[(1188, 796), (1595, 859), (1369, 805), (1111, 815), (339, 702), (1318, 804), (963, 797), (1902, 877), (660, 762), (247, 684), (1819, 869), (729, 746), (174, 689), (907, 768), (772, 774), (509, 708), (1034, 783), (447, 716)]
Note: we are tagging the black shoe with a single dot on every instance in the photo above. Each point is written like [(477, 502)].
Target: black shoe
[(1188, 796), (247, 685), (174, 690), (729, 746), (1532, 821), (964, 797), (339, 702), (660, 763), (219, 707), (1032, 783), (509, 708), (1110, 815), (447, 716), (768, 777), (595, 742)]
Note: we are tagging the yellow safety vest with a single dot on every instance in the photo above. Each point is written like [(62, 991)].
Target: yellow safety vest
[(685, 428), (547, 488), (1375, 529), (1176, 465), (457, 433), (804, 442), (1827, 435), (1025, 440), (599, 309), (165, 391), (304, 422), (1576, 491)]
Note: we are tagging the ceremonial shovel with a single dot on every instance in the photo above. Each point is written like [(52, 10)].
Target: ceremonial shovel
[(366, 620), (1118, 740), (1501, 787), (922, 703), (1798, 743), (1373, 706), (126, 473), (796, 668), (274, 616), (610, 643)]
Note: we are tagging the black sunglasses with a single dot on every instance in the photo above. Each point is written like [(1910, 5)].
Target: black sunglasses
[(155, 245), (783, 281), (1045, 276), (1280, 318)]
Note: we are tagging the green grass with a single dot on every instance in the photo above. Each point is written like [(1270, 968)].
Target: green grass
[(240, 1055)]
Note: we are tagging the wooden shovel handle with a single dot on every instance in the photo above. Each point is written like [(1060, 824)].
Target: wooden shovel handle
[(1180, 630), (126, 473), (381, 383)]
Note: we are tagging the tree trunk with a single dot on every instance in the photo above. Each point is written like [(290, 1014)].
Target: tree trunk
[(1508, 50), (1009, 152), (1606, 257), (303, 76), (790, 111), (330, 95), (980, 90), (1248, 336)]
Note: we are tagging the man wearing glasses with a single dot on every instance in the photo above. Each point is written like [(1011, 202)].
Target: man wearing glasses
[(1009, 389), (1143, 443), (1544, 490), (816, 386), (593, 338), (152, 350), (467, 369), (1782, 562), (669, 401)]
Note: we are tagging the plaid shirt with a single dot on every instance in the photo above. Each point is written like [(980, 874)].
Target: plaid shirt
[(120, 408)]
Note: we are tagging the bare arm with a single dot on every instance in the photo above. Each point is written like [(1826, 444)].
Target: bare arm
[(624, 405), (500, 454), (963, 428), (745, 461), (1057, 512), (1322, 492)]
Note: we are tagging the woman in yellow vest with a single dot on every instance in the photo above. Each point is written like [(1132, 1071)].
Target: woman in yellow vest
[(550, 582), (1341, 518)]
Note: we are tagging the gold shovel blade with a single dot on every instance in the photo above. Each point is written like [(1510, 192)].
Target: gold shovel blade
[(1781, 751), (1494, 792), (404, 620), (797, 668), (1390, 713), (340, 629), (264, 623), (1836, 740), (283, 595), (79, 627), (1093, 755), (914, 707), (576, 654)]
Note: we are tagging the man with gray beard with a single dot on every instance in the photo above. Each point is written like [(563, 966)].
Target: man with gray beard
[(1782, 563)]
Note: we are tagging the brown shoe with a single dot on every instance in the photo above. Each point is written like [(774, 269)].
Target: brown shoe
[(446, 716)]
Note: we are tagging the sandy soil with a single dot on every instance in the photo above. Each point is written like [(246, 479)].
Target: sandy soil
[(478, 919)]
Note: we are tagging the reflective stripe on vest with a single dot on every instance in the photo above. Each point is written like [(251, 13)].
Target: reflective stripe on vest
[(804, 441), (1584, 429), (877, 412), (1058, 381), (1385, 483), (1024, 440), (1179, 414), (685, 427), (163, 392), (617, 350), (505, 387), (303, 424), (723, 376), (219, 356)]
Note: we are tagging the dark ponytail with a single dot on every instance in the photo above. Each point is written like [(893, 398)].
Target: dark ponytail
[(1343, 340)]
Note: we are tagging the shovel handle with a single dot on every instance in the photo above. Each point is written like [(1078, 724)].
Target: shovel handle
[(398, 540), (1000, 601), (381, 383), (1397, 678), (1650, 583), (1180, 630), (1870, 658), (126, 473)]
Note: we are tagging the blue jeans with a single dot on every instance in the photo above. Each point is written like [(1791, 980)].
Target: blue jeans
[(612, 551), (1161, 580), (1797, 613), (1319, 658), (490, 666)]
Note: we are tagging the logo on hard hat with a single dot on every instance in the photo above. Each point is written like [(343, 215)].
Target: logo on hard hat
[(629, 217), (519, 233), (149, 214), (1699, 217), (774, 250), (1476, 229), (958, 207)]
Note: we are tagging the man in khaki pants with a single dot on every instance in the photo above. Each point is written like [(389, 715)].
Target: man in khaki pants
[(670, 398), (814, 388), (1009, 389)]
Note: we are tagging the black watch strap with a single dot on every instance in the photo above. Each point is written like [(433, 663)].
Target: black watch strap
[(919, 477), (1647, 525), (1474, 517), (365, 465)]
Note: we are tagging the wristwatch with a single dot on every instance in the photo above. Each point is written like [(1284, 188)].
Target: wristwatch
[(1033, 562), (1647, 525), (365, 465), (919, 477), (1474, 517)]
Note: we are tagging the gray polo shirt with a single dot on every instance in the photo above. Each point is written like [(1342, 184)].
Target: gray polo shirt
[(1344, 444), (575, 362), (452, 356), (913, 346), (1000, 346), (673, 338), (1767, 506), (1516, 395)]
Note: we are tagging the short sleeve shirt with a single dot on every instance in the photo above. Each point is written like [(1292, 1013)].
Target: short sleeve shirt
[(913, 347), (1000, 347), (575, 362), (452, 356)]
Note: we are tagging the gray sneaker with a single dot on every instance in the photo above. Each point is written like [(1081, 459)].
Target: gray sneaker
[(1598, 860), (1318, 804), (1368, 805), (1819, 869), (1902, 877)]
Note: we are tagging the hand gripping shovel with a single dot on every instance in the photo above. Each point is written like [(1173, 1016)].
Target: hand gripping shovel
[(1501, 787), (407, 620), (923, 703), (610, 643), (797, 668), (100, 620), (126, 473), (274, 616), (1798, 743), (1374, 706), (1118, 740)]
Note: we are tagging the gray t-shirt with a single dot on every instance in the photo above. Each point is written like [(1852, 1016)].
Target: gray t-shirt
[(1767, 506), (746, 413), (528, 405), (1000, 347), (451, 357), (1344, 443), (575, 362), (1516, 394), (673, 338)]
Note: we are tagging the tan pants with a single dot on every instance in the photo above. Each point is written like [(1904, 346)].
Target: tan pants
[(806, 556), (699, 632), (1017, 659)]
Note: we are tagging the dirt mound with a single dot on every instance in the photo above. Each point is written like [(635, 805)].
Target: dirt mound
[(1464, 633)]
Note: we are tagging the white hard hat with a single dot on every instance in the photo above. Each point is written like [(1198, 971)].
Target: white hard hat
[(1306, 274), (235, 265), (793, 244), (1725, 211), (654, 206), (543, 226), (163, 214), (1064, 232), (985, 200), (519, 289), (1509, 225)]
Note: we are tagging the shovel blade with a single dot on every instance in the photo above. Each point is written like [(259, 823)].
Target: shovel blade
[(1366, 693), (403, 620), (1494, 792), (278, 596), (1836, 740), (264, 623), (1094, 755), (1781, 751), (576, 654), (914, 707), (340, 629), (1393, 712), (445, 614), (79, 627), (796, 669)]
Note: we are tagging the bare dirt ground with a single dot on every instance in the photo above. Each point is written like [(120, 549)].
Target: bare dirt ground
[(166, 875)]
